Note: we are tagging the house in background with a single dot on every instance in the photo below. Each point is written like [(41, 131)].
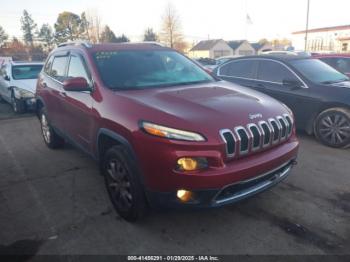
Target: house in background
[(260, 48), (241, 47), (210, 49), (334, 39)]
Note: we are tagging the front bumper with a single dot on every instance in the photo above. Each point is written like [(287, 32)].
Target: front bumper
[(29, 102), (228, 194)]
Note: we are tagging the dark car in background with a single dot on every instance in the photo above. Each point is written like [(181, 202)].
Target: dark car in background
[(341, 62), (317, 94)]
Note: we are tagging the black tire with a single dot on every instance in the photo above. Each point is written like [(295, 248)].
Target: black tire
[(123, 184), (18, 105), (1, 100), (51, 138), (332, 127)]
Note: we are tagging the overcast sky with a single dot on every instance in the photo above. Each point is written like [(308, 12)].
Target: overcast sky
[(200, 18)]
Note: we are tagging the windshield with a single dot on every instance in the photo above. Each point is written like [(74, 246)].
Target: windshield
[(146, 69), (318, 72), (26, 71)]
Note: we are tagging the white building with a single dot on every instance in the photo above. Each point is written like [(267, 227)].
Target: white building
[(241, 47), (210, 49), (327, 39)]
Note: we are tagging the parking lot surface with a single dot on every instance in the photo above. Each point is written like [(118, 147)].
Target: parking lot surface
[(55, 202)]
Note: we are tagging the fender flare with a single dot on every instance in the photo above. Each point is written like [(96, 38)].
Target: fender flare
[(123, 141), (39, 99), (119, 138)]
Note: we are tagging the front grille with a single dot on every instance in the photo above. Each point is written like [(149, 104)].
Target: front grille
[(253, 137)]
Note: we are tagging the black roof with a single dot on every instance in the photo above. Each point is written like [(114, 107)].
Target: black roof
[(283, 58)]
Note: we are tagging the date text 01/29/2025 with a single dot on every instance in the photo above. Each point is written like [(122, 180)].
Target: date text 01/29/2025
[(173, 258)]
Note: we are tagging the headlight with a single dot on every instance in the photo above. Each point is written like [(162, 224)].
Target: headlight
[(23, 93), (170, 133)]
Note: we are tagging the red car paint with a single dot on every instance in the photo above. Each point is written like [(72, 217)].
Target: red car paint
[(331, 59), (200, 108)]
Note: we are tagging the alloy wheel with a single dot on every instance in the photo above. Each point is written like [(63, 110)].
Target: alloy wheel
[(118, 184), (45, 128), (334, 128)]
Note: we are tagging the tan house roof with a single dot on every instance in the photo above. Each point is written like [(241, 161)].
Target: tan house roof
[(324, 29), (206, 44)]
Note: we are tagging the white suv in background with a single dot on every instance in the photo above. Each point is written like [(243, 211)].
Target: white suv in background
[(18, 83)]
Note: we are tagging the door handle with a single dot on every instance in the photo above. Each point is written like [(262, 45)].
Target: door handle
[(44, 85), (63, 94)]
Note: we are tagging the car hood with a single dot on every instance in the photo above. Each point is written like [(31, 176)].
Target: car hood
[(26, 84), (221, 104)]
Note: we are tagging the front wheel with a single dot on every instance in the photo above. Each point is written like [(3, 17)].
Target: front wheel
[(332, 127), (123, 184)]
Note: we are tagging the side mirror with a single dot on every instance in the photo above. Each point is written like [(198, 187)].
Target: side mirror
[(7, 78), (76, 84), (292, 83)]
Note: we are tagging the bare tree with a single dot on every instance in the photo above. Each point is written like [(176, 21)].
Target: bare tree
[(92, 23), (171, 33)]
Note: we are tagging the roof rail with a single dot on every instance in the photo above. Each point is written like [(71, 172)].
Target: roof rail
[(84, 43), (145, 42)]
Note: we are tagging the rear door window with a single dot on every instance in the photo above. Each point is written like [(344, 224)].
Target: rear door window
[(58, 69), (272, 71), (240, 68)]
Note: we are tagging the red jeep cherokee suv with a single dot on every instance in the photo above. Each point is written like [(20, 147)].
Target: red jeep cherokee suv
[(165, 132)]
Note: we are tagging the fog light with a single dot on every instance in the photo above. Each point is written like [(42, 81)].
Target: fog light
[(191, 164), (184, 195)]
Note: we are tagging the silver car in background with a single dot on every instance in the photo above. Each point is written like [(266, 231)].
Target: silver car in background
[(18, 83)]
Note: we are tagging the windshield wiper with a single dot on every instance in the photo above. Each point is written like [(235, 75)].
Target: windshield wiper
[(335, 81), (192, 83)]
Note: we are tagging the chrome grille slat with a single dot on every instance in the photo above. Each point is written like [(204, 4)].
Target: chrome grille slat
[(283, 123), (250, 127), (242, 140), (269, 130), (290, 124), (223, 133)]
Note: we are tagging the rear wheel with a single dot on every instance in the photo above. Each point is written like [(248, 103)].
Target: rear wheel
[(51, 139), (123, 184), (332, 127)]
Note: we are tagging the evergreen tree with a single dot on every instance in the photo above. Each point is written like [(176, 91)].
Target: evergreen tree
[(46, 35), (28, 27), (150, 35), (108, 36), (67, 27), (3, 36)]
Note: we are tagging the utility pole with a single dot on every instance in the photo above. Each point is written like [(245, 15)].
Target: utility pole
[(307, 23)]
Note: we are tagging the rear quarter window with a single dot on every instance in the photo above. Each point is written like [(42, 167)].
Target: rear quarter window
[(244, 69)]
